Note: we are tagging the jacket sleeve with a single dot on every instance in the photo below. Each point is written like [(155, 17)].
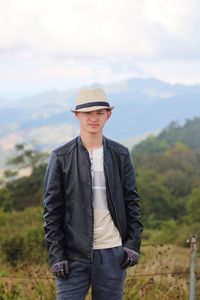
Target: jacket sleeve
[(132, 207), (54, 211)]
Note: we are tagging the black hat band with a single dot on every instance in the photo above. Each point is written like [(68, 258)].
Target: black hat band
[(91, 104)]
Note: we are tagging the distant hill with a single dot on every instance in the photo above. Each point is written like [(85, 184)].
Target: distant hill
[(142, 106), (188, 134)]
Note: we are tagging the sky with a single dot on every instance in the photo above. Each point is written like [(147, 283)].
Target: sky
[(64, 44)]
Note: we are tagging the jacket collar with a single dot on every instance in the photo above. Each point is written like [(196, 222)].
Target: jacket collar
[(80, 143)]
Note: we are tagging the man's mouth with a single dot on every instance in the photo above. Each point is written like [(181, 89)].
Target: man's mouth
[(93, 125)]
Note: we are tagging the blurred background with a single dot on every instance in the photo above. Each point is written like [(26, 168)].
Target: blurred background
[(146, 55)]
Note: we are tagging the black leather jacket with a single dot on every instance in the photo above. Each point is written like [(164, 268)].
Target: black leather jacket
[(68, 208)]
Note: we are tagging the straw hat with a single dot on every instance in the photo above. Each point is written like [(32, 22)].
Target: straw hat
[(91, 99)]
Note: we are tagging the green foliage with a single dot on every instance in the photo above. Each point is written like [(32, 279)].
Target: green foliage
[(168, 231), (5, 198), (193, 205), (27, 156), (22, 236), (19, 192), (13, 249), (187, 134), (27, 191), (151, 144), (168, 176), (155, 198), (177, 182)]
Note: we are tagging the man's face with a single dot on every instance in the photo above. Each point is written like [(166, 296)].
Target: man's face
[(93, 122)]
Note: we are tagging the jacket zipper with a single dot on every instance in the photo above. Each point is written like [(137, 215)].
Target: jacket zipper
[(92, 209), (113, 203)]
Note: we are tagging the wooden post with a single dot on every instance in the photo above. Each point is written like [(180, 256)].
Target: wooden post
[(193, 251)]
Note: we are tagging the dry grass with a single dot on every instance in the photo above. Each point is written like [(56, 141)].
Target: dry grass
[(162, 274)]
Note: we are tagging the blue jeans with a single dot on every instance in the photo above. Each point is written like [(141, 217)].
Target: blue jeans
[(104, 275)]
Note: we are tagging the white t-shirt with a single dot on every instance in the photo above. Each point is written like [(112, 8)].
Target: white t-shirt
[(106, 234)]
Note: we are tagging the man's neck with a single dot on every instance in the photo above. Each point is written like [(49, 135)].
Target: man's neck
[(92, 142)]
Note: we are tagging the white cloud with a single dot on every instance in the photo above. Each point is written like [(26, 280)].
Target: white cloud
[(170, 15), (187, 72), (93, 29), (48, 43)]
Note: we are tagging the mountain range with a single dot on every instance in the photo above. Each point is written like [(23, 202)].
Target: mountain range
[(142, 106)]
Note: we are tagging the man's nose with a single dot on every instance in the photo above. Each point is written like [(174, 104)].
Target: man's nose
[(94, 118)]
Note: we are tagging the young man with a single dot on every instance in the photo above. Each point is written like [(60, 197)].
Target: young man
[(91, 208)]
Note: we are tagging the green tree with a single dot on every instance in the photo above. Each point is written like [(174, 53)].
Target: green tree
[(187, 134), (156, 200), (21, 192), (193, 206), (177, 182), (27, 156)]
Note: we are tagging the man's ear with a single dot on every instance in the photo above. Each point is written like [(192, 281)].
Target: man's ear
[(109, 113), (76, 114)]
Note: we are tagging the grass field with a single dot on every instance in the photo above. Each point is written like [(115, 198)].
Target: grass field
[(162, 274)]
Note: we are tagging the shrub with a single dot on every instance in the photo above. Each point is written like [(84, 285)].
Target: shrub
[(14, 249)]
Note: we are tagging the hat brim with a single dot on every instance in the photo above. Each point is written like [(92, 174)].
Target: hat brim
[(92, 108)]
